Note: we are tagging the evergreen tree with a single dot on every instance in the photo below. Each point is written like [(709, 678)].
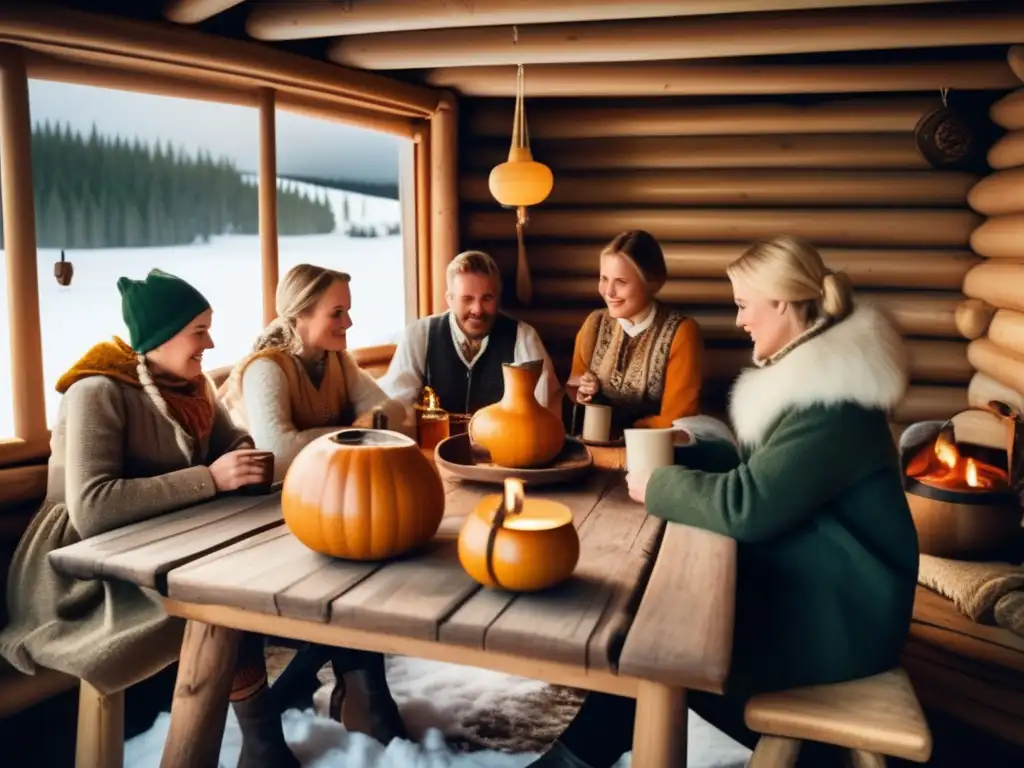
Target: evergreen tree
[(97, 191)]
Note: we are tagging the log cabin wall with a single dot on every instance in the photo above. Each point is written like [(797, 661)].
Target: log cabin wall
[(707, 178), (993, 314)]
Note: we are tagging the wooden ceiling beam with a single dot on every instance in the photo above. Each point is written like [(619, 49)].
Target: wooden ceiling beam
[(303, 19), (759, 34), (74, 71), (571, 121), (195, 11), (718, 79), (163, 49)]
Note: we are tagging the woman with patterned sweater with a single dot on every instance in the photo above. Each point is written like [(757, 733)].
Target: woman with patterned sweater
[(827, 553), (637, 355)]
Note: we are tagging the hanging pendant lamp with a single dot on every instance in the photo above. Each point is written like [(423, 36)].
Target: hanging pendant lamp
[(519, 183)]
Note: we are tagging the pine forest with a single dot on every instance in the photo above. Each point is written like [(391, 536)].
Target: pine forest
[(102, 192)]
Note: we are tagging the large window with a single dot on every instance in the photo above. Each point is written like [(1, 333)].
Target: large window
[(125, 182)]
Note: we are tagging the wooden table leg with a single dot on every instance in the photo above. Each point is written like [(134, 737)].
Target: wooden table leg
[(659, 734), (200, 707)]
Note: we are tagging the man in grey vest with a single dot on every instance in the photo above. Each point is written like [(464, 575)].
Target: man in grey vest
[(459, 353)]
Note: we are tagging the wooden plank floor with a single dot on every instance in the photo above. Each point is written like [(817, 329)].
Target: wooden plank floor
[(236, 552)]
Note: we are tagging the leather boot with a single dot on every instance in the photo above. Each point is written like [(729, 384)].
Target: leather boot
[(296, 685), (263, 744), (362, 701)]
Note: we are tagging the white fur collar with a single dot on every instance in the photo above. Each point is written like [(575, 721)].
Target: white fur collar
[(861, 359)]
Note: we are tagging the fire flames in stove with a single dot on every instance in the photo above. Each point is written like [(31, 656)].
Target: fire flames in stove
[(943, 466)]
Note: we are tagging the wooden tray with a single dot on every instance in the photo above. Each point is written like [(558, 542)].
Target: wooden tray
[(468, 461), (617, 443)]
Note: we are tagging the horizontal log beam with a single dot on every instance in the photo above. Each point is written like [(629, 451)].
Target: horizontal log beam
[(983, 389), (929, 361), (159, 48), (675, 38), (1003, 365), (715, 79), (1008, 151), (998, 283), (19, 485), (972, 318), (913, 313), (1007, 330), (880, 268), (195, 11), (805, 151), (493, 118), (999, 193), (924, 403), (824, 227), (62, 70), (1008, 112), (1001, 237), (304, 19), (743, 188)]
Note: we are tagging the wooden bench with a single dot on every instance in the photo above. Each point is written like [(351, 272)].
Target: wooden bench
[(873, 717), (100, 733)]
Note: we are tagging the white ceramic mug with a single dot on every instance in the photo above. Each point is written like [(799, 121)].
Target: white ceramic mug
[(597, 422), (648, 449)]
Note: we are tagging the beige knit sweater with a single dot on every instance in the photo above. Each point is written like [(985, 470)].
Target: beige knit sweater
[(116, 458)]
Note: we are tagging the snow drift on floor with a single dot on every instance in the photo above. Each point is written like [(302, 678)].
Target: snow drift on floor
[(465, 704)]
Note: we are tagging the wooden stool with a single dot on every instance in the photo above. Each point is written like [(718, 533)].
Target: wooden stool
[(872, 717)]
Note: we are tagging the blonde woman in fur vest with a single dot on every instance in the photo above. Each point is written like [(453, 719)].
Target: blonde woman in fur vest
[(827, 553), (299, 383), (139, 433)]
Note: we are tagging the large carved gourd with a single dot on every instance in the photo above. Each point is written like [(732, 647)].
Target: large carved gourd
[(362, 494), (518, 431)]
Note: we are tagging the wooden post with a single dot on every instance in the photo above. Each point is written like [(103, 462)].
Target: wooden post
[(423, 267), (206, 668), (20, 246), (268, 202), (408, 204), (444, 196)]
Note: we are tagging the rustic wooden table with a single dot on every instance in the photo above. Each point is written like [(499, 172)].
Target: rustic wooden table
[(647, 614)]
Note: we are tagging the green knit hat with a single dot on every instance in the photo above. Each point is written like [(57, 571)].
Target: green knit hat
[(158, 308)]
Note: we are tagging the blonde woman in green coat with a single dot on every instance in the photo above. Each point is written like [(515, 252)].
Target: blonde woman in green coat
[(827, 550)]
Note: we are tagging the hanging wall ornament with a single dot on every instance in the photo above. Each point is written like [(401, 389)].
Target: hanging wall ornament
[(944, 136), (520, 183), (63, 270)]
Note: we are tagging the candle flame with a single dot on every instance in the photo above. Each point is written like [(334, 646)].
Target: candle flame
[(514, 495), (971, 473)]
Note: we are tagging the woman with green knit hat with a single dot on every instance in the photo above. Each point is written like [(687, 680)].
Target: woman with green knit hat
[(139, 433)]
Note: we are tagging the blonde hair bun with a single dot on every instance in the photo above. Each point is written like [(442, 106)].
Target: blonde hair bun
[(790, 269)]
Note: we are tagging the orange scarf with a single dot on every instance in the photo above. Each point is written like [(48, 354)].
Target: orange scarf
[(188, 401)]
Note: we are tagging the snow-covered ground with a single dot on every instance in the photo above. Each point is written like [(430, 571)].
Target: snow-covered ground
[(435, 699)]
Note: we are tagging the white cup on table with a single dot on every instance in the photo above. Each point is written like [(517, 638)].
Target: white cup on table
[(648, 449), (597, 422)]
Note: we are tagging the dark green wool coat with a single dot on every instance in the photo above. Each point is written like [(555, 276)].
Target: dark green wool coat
[(827, 550)]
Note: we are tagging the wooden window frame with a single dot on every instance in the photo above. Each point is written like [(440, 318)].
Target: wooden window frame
[(90, 49)]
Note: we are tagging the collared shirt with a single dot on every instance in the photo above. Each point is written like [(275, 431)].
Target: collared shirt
[(635, 329), (407, 372)]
